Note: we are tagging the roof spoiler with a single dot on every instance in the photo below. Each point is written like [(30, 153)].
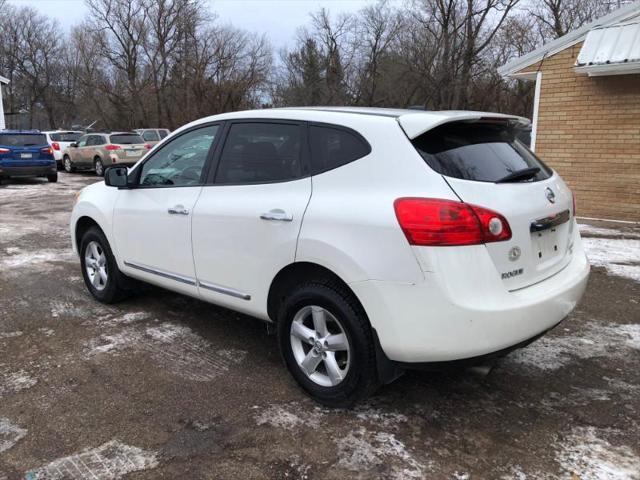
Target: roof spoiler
[(416, 123)]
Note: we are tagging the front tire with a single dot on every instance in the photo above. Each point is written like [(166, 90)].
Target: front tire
[(103, 279), (98, 167), (68, 166), (326, 342)]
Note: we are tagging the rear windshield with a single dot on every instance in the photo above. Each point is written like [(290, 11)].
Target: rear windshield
[(480, 152), (126, 139), (22, 140), (65, 136)]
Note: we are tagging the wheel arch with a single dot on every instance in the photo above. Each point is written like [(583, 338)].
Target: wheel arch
[(293, 274), (83, 224)]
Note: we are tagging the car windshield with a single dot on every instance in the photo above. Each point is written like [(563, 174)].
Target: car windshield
[(126, 139), (65, 136), (485, 152), (22, 140)]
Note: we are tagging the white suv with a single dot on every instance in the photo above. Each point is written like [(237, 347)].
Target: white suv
[(376, 240)]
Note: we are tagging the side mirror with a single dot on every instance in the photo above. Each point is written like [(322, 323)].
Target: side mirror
[(116, 177), (74, 145)]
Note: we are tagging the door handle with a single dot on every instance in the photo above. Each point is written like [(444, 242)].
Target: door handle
[(277, 215), (178, 210)]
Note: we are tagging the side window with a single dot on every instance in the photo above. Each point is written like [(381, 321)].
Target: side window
[(179, 162), (93, 140), (82, 142), (261, 153), (334, 147), (150, 135), (100, 140), (163, 133)]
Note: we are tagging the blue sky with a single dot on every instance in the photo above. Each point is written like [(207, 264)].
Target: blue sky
[(279, 19)]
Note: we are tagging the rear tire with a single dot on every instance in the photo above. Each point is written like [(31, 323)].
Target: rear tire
[(103, 279), (53, 178), (356, 376), (68, 166)]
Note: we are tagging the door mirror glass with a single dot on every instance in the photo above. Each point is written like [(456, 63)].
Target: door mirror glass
[(116, 177)]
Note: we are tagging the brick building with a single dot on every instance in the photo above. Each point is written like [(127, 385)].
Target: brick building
[(586, 115)]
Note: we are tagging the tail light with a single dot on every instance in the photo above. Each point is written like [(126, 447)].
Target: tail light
[(4, 150), (438, 222), (148, 147), (47, 150), (574, 203), (112, 148), (55, 146)]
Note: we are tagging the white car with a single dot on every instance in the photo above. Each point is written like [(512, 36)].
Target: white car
[(59, 140), (376, 240)]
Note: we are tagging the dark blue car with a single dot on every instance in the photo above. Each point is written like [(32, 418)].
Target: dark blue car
[(26, 154)]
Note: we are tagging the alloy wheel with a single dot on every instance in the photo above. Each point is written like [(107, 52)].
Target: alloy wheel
[(95, 262), (67, 164), (320, 346), (99, 168)]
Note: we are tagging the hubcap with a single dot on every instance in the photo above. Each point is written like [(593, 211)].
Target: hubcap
[(98, 167), (320, 346), (95, 264), (67, 164)]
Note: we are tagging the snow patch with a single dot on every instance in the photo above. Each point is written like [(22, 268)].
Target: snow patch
[(621, 257), (10, 434), (290, 416), (177, 348), (10, 334), (379, 417), (362, 450), (590, 457), (110, 461), (596, 340), (37, 259), (606, 232), (15, 382)]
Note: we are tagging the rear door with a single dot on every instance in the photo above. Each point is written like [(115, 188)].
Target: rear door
[(486, 165), (247, 220)]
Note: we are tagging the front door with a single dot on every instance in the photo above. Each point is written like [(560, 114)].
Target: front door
[(152, 222), (247, 219)]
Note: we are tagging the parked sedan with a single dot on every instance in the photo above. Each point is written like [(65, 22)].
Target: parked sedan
[(375, 240), (26, 154), (152, 135), (60, 140), (96, 151)]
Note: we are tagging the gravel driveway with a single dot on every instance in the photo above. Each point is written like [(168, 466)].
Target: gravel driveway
[(164, 386)]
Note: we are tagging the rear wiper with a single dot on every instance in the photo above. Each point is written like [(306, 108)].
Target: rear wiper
[(518, 175)]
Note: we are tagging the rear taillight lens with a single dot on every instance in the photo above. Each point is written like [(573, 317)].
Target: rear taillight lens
[(55, 146), (46, 150), (148, 147), (111, 148), (438, 222), (4, 150)]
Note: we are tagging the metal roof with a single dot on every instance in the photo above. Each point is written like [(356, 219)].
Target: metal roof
[(611, 50), (511, 69)]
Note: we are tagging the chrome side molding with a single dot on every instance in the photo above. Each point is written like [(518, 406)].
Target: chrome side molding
[(161, 273), (227, 291)]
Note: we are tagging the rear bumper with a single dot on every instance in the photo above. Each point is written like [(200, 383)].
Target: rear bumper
[(28, 171), (444, 321)]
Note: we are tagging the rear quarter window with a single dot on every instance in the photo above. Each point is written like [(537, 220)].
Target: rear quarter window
[(333, 147), (126, 139), (476, 151), (22, 140)]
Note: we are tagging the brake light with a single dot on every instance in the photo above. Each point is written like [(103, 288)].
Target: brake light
[(574, 203), (56, 146), (438, 222), (111, 148), (47, 150), (148, 147), (4, 150)]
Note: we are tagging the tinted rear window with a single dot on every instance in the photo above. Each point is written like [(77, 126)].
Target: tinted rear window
[(22, 140), (65, 136), (480, 152), (126, 139), (333, 147)]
